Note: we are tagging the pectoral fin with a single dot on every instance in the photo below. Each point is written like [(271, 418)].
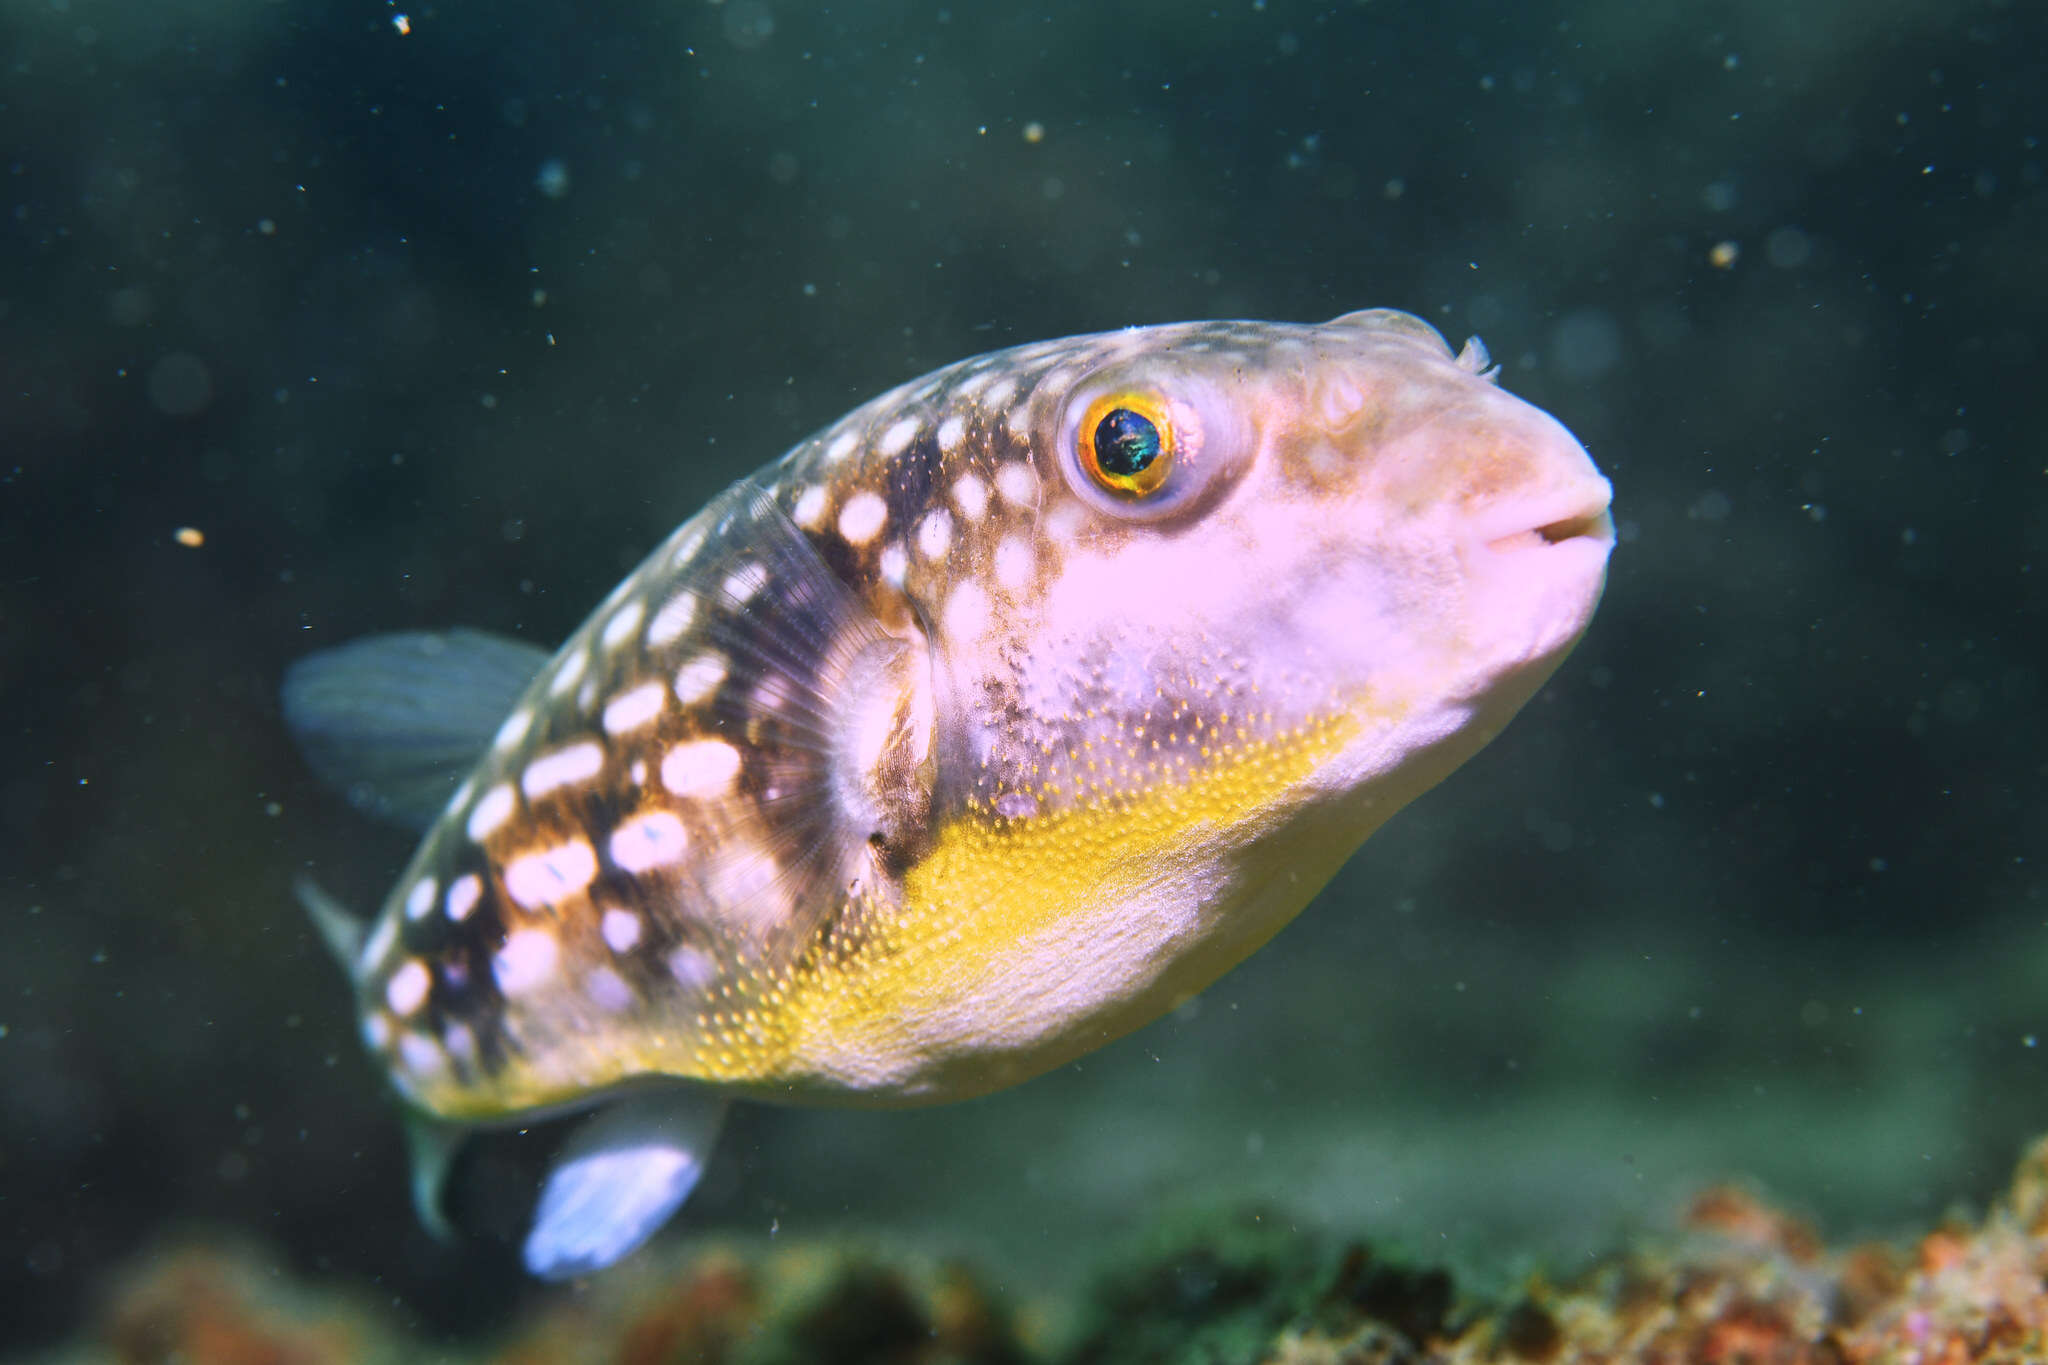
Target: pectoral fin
[(619, 1177)]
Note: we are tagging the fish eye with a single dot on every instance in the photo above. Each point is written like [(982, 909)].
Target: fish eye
[(1127, 443)]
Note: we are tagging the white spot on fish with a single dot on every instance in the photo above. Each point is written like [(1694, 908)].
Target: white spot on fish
[(1062, 525), (526, 960), (1000, 394), (862, 518), (460, 1041), (632, 709), (672, 620), (1017, 484), (562, 768), (935, 534), (1019, 422), (407, 989), (377, 1030), (419, 902), (895, 563), (699, 678), (567, 674), (621, 929), (460, 799), (842, 446), (655, 839), (810, 508), (950, 433), (1016, 805), (692, 968), (552, 875), (463, 896), (624, 622), (1014, 563), (688, 540), (970, 495), (513, 730), (966, 614), (700, 767), (422, 1055), (743, 583), (607, 991), (638, 772), (897, 437)]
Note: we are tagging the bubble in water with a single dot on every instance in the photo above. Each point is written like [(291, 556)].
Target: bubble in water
[(1585, 345), (1787, 248), (130, 307), (748, 24), (179, 385), (1712, 505)]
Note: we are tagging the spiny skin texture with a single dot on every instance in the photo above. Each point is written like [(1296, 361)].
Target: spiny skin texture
[(922, 761)]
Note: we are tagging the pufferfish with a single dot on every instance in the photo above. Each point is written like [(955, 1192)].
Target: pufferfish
[(990, 722)]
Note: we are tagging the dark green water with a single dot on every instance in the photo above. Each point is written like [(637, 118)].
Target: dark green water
[(450, 326)]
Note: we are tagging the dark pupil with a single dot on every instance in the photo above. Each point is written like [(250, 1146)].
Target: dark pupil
[(1125, 443)]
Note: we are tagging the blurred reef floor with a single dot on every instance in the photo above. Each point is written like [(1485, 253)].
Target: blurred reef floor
[(1738, 1282)]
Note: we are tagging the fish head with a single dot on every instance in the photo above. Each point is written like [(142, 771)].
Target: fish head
[(1283, 580), (1245, 529)]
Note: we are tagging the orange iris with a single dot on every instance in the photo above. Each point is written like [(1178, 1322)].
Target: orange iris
[(1127, 443)]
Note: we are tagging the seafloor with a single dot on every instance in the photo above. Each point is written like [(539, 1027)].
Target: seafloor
[(1737, 1282)]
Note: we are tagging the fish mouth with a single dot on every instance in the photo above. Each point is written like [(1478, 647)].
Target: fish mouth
[(1539, 563), (1580, 517)]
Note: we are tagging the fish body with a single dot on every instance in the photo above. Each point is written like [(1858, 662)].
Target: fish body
[(987, 724)]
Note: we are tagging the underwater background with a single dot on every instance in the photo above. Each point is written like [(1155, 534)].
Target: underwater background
[(318, 319)]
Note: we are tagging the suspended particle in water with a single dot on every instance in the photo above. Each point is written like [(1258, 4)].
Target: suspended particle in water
[(1787, 248), (179, 385), (748, 24)]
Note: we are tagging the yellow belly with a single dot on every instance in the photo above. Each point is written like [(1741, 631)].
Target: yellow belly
[(1021, 944)]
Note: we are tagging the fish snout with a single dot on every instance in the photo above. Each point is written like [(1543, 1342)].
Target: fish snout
[(1536, 573), (1578, 518)]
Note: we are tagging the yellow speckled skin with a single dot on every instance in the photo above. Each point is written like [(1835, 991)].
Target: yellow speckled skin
[(924, 760)]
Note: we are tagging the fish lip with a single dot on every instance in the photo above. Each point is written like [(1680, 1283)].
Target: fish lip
[(1576, 515)]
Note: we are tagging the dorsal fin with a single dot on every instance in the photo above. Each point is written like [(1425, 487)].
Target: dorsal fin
[(394, 722), (341, 931)]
